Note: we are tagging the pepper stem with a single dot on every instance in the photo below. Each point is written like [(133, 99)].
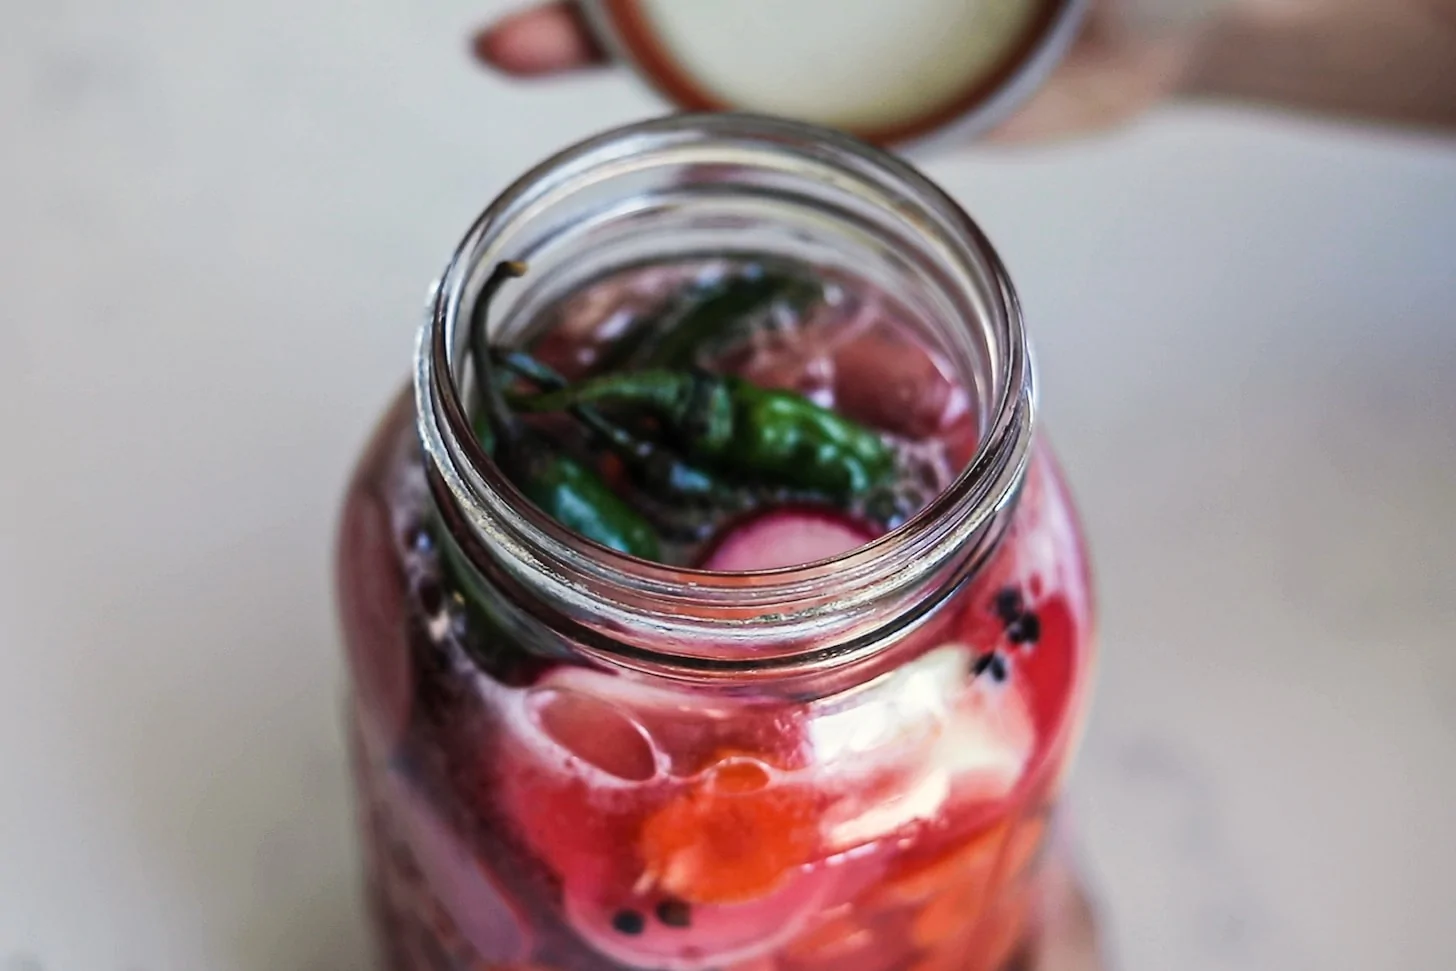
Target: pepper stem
[(549, 381), (663, 391), (492, 401), (657, 467)]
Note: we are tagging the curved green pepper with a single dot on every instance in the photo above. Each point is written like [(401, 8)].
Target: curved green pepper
[(578, 499), (782, 433), (742, 428), (715, 318), (563, 488), (653, 467), (707, 315)]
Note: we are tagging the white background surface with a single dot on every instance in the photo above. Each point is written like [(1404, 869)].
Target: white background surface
[(217, 222)]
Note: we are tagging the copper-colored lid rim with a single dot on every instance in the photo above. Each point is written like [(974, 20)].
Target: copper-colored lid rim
[(630, 34)]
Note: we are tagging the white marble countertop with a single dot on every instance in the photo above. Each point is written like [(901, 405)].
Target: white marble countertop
[(216, 226)]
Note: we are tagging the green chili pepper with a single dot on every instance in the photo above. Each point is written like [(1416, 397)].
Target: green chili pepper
[(742, 428), (564, 489), (495, 636), (578, 499), (654, 467), (810, 446), (492, 417), (714, 319), (706, 315)]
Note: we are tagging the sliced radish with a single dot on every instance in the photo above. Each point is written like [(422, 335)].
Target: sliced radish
[(889, 722), (888, 380), (685, 730), (786, 537), (988, 741), (596, 732)]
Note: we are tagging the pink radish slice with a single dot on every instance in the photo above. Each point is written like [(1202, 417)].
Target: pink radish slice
[(786, 537), (597, 732), (682, 731), (886, 380)]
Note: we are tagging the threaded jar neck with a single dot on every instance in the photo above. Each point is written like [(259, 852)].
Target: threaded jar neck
[(715, 186)]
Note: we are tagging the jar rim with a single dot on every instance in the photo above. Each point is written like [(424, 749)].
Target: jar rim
[(651, 615)]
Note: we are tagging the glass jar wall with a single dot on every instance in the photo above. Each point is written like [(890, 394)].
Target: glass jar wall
[(796, 747)]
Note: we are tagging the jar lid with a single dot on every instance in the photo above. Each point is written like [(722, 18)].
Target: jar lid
[(886, 70)]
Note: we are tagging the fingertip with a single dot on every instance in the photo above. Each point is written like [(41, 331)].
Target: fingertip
[(485, 46), (542, 40)]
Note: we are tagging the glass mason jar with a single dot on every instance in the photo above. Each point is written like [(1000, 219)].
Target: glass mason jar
[(569, 758)]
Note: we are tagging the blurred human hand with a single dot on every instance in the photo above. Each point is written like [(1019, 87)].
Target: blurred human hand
[(1387, 60)]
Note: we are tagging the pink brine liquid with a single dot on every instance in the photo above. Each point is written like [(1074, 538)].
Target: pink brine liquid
[(523, 812)]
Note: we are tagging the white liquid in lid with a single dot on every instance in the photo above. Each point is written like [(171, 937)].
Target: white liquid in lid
[(857, 64)]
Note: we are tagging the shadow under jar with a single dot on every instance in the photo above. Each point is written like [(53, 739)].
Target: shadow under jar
[(570, 758)]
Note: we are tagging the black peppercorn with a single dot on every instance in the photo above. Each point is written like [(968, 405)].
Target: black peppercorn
[(675, 913), (1025, 629), (1008, 604), (993, 664)]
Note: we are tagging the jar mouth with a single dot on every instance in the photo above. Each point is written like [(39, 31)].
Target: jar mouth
[(654, 616)]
